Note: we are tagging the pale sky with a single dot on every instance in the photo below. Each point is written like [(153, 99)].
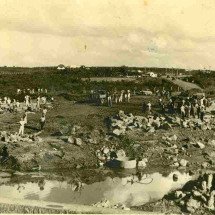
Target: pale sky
[(158, 33)]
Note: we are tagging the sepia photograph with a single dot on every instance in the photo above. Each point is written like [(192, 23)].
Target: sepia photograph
[(107, 107)]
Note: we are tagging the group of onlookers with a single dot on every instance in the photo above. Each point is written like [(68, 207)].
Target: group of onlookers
[(32, 91)]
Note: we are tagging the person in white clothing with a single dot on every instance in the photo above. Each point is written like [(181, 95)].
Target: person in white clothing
[(121, 96), (128, 95), (22, 126), (149, 107), (27, 100), (44, 111), (38, 102)]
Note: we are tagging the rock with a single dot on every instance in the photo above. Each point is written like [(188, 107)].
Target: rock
[(151, 130), (196, 193), (92, 141), (179, 194), (211, 143), (209, 181), (121, 154), (106, 150), (145, 160), (5, 175), (166, 126), (175, 177), (121, 113), (211, 154), (71, 140), (200, 145), (78, 141), (101, 158), (78, 166), (204, 186), (182, 203), (126, 209), (191, 173), (211, 200), (117, 132), (173, 138), (39, 139), (192, 205), (175, 159), (141, 163), (204, 127), (176, 164), (205, 164), (129, 164), (17, 173), (183, 162)]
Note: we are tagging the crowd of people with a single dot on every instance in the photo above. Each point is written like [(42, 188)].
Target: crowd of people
[(27, 105), (185, 107), (14, 105), (24, 121), (113, 97), (32, 91)]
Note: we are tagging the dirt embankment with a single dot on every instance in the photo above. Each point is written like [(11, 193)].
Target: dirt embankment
[(84, 125)]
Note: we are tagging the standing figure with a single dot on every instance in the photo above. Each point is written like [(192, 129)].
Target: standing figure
[(42, 122), (182, 111), (125, 96), (149, 107), (109, 100), (115, 97), (22, 126), (128, 95), (38, 102), (44, 111), (121, 96), (27, 100), (143, 106), (25, 118), (202, 112)]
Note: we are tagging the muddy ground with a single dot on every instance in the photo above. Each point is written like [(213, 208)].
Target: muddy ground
[(53, 154)]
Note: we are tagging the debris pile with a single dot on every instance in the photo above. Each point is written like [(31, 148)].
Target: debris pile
[(117, 158), (122, 122), (197, 194), (106, 154), (107, 204), (8, 137)]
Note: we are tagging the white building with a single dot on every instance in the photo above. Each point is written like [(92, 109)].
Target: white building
[(74, 66), (61, 67), (152, 74)]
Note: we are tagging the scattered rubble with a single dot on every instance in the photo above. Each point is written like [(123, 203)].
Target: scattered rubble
[(8, 137), (121, 123), (198, 194), (107, 204)]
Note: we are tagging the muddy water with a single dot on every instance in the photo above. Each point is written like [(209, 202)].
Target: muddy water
[(129, 190)]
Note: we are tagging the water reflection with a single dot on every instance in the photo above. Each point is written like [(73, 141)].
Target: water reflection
[(133, 190)]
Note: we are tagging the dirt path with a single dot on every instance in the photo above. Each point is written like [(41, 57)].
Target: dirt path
[(183, 84), (31, 206)]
